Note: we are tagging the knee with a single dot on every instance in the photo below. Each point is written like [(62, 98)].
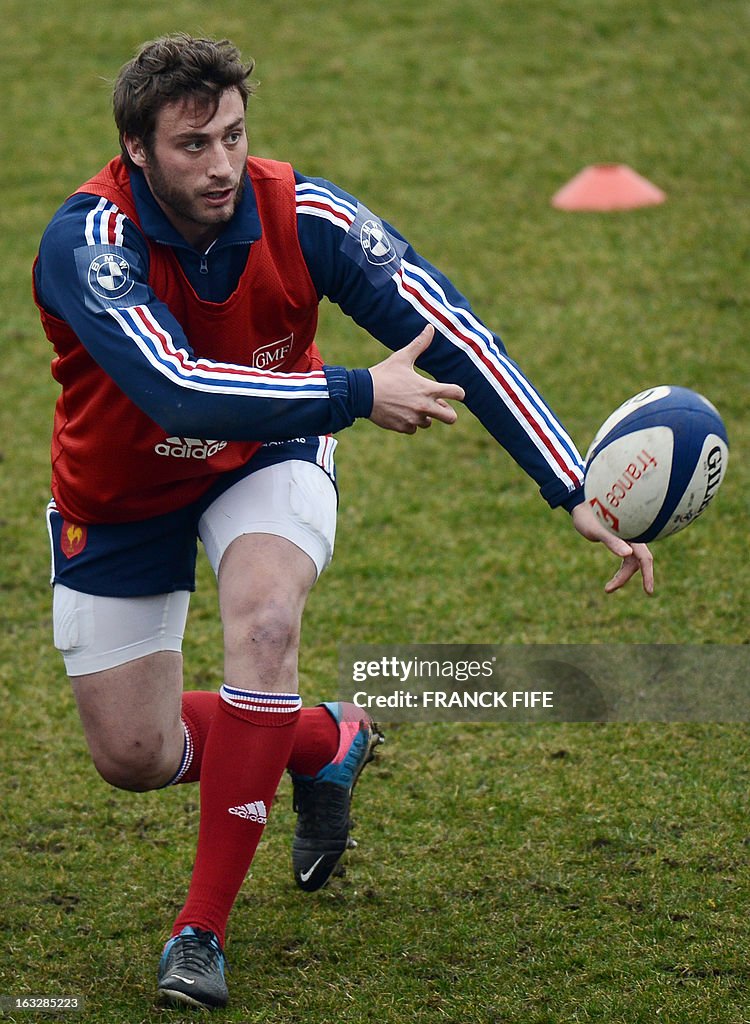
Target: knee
[(269, 628), (137, 768)]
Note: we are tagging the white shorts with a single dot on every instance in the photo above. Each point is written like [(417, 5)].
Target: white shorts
[(293, 499)]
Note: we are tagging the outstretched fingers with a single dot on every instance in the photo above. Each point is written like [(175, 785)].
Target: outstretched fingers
[(635, 557), (404, 400), (640, 560)]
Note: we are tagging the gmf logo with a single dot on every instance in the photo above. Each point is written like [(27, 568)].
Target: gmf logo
[(273, 354)]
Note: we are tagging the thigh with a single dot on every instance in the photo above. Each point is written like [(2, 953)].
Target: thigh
[(268, 537), (95, 633), (293, 500), (123, 657)]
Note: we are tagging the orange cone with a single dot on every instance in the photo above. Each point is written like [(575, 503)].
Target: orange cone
[(607, 187)]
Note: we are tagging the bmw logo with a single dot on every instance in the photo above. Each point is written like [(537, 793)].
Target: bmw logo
[(375, 243), (109, 276)]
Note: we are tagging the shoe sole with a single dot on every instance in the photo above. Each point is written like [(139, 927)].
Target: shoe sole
[(174, 998), (329, 859)]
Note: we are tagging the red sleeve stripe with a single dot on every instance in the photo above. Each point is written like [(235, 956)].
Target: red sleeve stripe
[(157, 346), (320, 202), (527, 407), (104, 224)]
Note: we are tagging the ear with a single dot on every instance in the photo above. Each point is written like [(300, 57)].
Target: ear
[(136, 150)]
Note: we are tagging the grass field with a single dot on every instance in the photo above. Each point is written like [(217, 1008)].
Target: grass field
[(540, 875)]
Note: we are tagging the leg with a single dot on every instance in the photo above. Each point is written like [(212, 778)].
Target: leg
[(131, 717), (123, 657), (264, 581), (267, 537)]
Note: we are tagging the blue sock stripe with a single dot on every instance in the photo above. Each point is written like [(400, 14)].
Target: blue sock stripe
[(254, 700), (187, 756)]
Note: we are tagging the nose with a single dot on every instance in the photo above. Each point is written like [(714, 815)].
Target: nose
[(219, 165)]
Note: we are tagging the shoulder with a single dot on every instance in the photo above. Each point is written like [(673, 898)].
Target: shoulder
[(320, 199), (85, 219), (91, 250)]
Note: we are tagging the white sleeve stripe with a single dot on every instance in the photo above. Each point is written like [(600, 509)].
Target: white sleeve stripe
[(557, 449), (491, 352), (319, 202), (469, 321), (212, 367), (105, 224), (462, 328), (307, 190), (91, 217), (554, 445), (119, 229), (337, 219), (157, 346)]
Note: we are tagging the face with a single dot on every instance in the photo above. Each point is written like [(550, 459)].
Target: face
[(196, 168)]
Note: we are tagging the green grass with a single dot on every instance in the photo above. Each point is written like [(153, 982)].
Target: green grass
[(541, 875)]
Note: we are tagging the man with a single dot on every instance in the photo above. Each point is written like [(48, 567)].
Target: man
[(179, 287)]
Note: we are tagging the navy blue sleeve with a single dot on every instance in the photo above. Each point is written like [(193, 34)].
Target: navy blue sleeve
[(93, 275), (368, 268)]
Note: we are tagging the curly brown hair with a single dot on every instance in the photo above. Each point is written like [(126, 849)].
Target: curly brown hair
[(171, 68)]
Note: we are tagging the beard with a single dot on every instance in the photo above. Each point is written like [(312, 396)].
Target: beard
[(186, 207)]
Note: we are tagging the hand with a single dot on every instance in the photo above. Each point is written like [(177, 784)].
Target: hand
[(635, 557), (403, 399)]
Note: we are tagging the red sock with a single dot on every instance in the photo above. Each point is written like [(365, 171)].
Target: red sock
[(247, 749), (315, 740), (198, 710)]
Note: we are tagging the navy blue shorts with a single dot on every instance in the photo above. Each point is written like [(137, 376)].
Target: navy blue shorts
[(157, 555)]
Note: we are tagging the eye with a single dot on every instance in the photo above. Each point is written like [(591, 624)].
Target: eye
[(234, 137), (194, 146)]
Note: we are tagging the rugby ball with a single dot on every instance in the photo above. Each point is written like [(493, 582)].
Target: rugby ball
[(656, 463)]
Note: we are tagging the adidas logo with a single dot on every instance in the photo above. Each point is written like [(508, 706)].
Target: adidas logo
[(255, 811), (189, 448)]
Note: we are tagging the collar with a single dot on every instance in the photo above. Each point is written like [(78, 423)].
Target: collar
[(243, 229)]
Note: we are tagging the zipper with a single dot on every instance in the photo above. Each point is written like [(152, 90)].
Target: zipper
[(204, 257)]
